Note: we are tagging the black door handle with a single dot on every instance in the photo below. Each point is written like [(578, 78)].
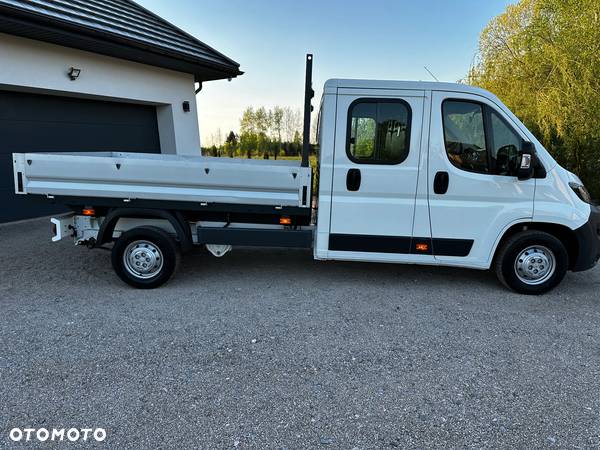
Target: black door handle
[(441, 182), (353, 180)]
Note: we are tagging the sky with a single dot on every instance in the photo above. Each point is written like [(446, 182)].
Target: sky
[(372, 39)]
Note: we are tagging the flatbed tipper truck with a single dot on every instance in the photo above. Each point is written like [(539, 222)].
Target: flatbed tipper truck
[(409, 172)]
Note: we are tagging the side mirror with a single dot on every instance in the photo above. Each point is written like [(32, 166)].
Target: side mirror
[(526, 167)]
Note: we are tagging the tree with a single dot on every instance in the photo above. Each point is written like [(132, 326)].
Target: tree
[(248, 143), (542, 58), (231, 139), (262, 125), (291, 123), (297, 138), (261, 121), (248, 121), (248, 131), (231, 144), (268, 132), (277, 127)]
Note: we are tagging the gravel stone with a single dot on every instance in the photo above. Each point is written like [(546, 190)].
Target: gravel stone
[(270, 349)]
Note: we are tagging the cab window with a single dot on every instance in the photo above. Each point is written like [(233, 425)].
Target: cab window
[(464, 134), (478, 139), (505, 146), (378, 131)]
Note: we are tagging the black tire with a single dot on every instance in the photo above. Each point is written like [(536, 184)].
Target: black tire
[(511, 259), (162, 253)]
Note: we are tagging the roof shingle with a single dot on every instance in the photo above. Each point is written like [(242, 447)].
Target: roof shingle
[(118, 23)]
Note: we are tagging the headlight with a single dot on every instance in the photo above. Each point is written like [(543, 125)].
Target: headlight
[(581, 192)]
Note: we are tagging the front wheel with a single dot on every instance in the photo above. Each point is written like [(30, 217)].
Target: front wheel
[(532, 262), (145, 257)]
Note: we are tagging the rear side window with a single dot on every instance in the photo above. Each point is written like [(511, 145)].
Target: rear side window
[(378, 131), (478, 139)]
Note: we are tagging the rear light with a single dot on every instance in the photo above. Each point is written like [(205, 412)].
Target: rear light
[(88, 211), (285, 221)]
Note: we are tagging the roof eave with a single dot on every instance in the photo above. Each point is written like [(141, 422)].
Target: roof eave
[(82, 38)]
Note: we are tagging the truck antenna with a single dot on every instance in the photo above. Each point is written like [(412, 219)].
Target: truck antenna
[(431, 73), (308, 96)]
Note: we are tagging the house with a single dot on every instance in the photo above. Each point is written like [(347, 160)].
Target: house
[(95, 75)]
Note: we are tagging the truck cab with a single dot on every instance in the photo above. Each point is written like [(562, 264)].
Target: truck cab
[(431, 173)]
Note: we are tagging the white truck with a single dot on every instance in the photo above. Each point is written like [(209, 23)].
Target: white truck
[(409, 172)]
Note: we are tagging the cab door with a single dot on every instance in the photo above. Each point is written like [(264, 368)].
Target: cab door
[(474, 193), (375, 173)]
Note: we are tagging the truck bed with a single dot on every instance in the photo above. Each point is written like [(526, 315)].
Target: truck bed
[(163, 177)]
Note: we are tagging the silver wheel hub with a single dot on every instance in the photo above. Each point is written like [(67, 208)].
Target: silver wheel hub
[(535, 265), (143, 259)]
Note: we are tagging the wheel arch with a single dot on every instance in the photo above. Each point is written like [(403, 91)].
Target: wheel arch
[(175, 218), (561, 232)]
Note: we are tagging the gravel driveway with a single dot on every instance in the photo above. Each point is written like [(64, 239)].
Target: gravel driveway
[(269, 349)]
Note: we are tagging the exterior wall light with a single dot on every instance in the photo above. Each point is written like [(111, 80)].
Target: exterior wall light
[(186, 106), (74, 73)]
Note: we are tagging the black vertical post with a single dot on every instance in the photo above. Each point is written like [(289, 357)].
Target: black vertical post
[(308, 96)]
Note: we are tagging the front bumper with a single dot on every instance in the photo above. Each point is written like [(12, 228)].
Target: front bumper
[(588, 238)]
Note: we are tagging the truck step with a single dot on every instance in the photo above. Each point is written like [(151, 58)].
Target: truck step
[(256, 237)]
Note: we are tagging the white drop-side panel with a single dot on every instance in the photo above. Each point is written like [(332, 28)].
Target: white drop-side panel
[(165, 177)]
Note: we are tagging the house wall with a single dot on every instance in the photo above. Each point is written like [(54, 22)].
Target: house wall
[(34, 66)]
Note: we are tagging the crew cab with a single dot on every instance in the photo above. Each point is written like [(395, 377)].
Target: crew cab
[(408, 172)]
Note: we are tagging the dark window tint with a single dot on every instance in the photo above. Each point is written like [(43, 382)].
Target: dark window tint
[(464, 133), (379, 131), (505, 146)]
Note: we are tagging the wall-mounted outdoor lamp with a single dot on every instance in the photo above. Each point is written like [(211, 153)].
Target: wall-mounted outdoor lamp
[(74, 73), (186, 106)]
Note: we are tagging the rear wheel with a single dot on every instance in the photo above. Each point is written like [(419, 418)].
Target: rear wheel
[(145, 257), (532, 262)]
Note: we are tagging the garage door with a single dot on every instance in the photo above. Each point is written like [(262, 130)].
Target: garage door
[(44, 123)]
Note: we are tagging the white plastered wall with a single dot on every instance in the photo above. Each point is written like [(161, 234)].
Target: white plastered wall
[(32, 66)]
